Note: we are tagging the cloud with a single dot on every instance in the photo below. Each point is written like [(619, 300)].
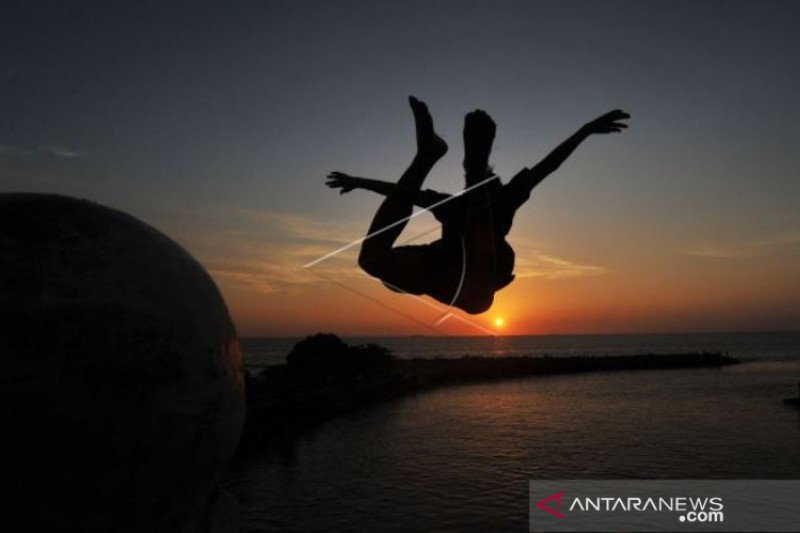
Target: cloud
[(538, 265), (266, 250), (298, 226), (7, 150), (263, 251), (247, 280), (715, 251), (269, 275), (60, 151), (745, 248), (259, 277)]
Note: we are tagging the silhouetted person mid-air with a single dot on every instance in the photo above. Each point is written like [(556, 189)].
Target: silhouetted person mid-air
[(471, 260)]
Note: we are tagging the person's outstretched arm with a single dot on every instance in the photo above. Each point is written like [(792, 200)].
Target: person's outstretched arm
[(524, 181), (339, 180)]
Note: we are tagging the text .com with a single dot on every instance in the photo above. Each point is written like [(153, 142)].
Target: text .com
[(702, 516)]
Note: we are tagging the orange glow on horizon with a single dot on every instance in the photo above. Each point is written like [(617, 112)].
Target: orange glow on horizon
[(669, 293)]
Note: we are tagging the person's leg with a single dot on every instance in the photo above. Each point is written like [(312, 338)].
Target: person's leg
[(479, 232), (392, 216), (479, 132)]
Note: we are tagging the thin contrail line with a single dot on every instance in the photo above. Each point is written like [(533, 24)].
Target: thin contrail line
[(443, 318), (401, 221), (375, 300), (446, 314), (438, 308), (461, 318)]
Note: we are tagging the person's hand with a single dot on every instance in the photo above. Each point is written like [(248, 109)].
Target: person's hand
[(608, 123), (340, 180)]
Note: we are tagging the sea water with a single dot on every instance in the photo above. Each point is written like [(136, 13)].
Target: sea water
[(460, 458)]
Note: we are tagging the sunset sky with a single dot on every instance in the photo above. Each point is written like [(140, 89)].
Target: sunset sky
[(217, 123)]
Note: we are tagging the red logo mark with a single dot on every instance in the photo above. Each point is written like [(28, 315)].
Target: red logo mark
[(557, 497)]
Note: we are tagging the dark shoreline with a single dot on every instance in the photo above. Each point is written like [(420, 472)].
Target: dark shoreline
[(282, 405)]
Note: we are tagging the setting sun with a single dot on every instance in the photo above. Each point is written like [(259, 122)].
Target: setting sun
[(499, 322)]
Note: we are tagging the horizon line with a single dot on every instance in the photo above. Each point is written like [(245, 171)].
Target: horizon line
[(417, 335)]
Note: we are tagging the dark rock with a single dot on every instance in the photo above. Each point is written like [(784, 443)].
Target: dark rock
[(121, 386)]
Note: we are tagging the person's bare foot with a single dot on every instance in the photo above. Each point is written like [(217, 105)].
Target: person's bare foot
[(428, 143), (479, 132)]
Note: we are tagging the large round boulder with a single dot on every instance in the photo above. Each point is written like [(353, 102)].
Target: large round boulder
[(121, 382)]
